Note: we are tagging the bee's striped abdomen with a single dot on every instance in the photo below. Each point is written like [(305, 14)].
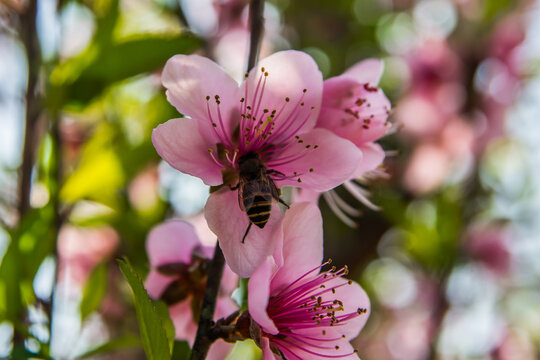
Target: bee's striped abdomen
[(258, 209)]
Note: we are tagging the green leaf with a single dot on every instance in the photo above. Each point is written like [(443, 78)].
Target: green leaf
[(102, 64), (153, 336), (168, 326), (181, 351), (94, 291), (124, 342)]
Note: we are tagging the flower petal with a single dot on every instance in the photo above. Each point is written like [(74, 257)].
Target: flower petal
[(172, 241), (309, 348), (219, 350), (289, 73), (259, 294), (302, 243), (179, 142), (327, 163), (373, 157), (156, 283), (189, 79), (367, 71), (184, 325), (229, 223), (267, 352)]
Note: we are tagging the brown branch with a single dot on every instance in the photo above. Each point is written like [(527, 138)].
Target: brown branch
[(256, 8), (203, 340), (29, 38)]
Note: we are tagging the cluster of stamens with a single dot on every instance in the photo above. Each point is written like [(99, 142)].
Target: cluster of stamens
[(307, 303), (267, 132), (358, 109)]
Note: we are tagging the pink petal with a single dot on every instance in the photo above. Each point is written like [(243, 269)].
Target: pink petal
[(302, 195), (155, 283), (189, 79), (172, 241), (289, 73), (332, 159), (179, 142), (302, 243), (373, 157), (184, 324), (229, 223), (268, 354), (367, 71), (324, 348), (259, 294), (219, 350), (229, 281)]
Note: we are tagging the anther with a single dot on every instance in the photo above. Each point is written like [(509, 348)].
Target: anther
[(299, 180), (287, 99), (305, 90), (266, 73), (210, 151), (207, 97), (262, 69), (311, 170), (337, 347), (316, 146)]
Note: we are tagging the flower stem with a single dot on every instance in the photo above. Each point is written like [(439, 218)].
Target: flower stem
[(256, 8), (206, 320)]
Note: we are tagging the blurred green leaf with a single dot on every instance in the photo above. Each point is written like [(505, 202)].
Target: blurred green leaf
[(94, 291), (181, 351), (153, 335), (32, 241), (99, 175), (167, 323), (85, 76), (124, 342)]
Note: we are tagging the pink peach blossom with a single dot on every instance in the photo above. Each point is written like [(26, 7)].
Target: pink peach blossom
[(178, 277), (304, 314), (354, 108), (272, 114)]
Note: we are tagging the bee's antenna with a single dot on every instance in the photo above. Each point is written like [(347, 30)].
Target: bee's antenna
[(247, 230)]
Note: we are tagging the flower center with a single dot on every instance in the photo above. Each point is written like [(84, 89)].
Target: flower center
[(268, 132)]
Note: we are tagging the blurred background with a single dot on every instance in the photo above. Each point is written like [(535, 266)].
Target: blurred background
[(447, 241)]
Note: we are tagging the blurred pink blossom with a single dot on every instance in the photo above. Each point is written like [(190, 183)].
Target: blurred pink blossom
[(178, 276), (489, 244), (80, 250)]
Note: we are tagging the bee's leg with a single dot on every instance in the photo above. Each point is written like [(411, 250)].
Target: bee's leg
[(235, 187), (247, 231), (284, 203), (272, 171)]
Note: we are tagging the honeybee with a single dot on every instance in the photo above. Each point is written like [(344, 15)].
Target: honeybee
[(256, 190)]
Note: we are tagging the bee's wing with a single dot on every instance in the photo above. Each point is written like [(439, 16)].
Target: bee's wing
[(241, 184)]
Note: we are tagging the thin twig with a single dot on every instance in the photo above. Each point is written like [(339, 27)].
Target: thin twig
[(256, 8), (206, 320), (30, 41)]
